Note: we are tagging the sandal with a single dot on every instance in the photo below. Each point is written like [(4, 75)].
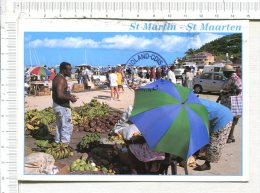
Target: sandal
[(231, 140)]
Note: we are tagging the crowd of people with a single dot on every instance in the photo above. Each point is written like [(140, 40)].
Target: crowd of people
[(221, 120)]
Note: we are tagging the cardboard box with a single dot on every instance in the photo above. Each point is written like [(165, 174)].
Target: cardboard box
[(40, 94), (78, 87), (45, 89), (43, 93), (63, 168)]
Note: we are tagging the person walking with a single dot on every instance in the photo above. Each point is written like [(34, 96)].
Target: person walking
[(232, 86), (189, 78), (113, 84), (88, 77), (171, 76), (164, 72), (148, 73), (107, 77), (78, 73), (61, 104), (153, 74), (119, 79), (220, 121), (158, 73)]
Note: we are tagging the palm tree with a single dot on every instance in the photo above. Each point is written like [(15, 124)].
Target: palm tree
[(190, 51)]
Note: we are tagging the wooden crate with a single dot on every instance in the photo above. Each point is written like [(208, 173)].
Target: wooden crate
[(78, 87)]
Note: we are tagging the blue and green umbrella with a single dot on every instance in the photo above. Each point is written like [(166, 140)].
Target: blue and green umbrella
[(170, 118)]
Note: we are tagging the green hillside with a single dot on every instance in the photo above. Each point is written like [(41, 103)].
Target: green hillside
[(231, 44)]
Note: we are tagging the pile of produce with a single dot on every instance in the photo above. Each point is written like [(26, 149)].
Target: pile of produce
[(38, 123), (76, 118), (47, 116), (59, 151), (94, 117), (33, 120), (100, 124), (43, 144), (97, 120), (93, 109), (90, 117), (108, 157), (113, 140), (88, 140), (81, 165)]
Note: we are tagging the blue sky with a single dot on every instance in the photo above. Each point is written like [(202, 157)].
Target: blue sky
[(107, 48)]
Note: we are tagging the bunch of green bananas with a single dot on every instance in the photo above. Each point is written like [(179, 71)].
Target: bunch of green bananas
[(47, 116), (87, 139), (59, 151)]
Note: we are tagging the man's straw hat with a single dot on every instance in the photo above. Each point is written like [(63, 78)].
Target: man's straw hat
[(228, 68)]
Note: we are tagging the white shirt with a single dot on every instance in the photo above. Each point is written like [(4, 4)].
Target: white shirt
[(171, 76), (85, 72), (113, 79), (189, 75)]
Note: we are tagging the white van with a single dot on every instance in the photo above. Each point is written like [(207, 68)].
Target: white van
[(216, 67)]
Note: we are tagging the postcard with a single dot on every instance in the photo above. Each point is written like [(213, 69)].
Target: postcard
[(131, 100)]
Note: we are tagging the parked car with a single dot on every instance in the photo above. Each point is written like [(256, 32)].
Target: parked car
[(208, 82)]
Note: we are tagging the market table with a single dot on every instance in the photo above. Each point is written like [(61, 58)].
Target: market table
[(36, 86)]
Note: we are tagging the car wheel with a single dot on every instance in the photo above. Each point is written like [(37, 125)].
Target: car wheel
[(197, 89)]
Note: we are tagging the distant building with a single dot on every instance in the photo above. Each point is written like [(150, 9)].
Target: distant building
[(201, 58)]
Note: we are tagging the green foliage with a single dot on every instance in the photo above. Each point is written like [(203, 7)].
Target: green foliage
[(47, 116), (42, 143), (87, 140), (92, 109), (231, 44)]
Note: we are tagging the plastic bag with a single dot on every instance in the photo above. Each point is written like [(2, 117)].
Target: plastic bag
[(129, 131), (122, 122), (40, 163)]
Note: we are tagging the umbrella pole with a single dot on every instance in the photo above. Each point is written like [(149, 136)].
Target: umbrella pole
[(186, 168), (174, 167)]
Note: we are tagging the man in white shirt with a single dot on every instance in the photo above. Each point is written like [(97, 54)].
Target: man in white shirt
[(189, 78), (171, 76), (87, 74)]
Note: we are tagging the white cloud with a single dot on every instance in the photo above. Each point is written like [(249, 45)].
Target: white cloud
[(171, 42), (125, 41), (68, 42), (168, 43), (200, 39)]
